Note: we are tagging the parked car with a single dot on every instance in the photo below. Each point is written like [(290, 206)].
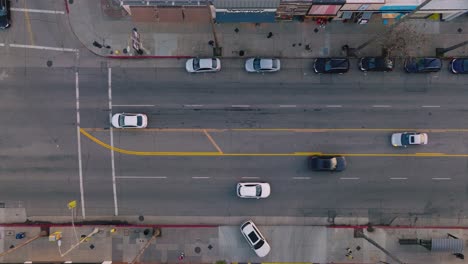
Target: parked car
[(203, 65), (253, 190), (327, 163), (255, 239), (331, 65), (420, 65), (381, 64), (409, 138), (459, 65), (4, 14), (127, 120), (262, 65)]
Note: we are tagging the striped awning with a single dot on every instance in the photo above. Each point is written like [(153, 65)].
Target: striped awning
[(327, 10)]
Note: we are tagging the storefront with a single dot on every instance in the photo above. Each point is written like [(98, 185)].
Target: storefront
[(359, 11), (444, 10), (245, 11), (323, 11), (293, 10)]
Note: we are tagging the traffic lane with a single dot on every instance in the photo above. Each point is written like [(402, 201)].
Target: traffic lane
[(142, 142), (296, 191)]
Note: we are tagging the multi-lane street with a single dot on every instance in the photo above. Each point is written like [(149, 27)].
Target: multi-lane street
[(207, 132)]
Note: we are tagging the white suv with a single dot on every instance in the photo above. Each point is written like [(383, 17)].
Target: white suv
[(255, 239)]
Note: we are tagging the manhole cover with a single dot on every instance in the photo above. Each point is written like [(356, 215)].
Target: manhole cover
[(197, 250), (141, 218), (49, 63)]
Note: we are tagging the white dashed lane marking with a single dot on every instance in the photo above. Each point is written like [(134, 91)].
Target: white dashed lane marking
[(287, 106), (441, 179), (252, 177), (200, 177), (133, 105), (381, 106), (141, 177), (398, 178), (431, 106), (334, 106), (301, 178), (349, 178), (240, 105)]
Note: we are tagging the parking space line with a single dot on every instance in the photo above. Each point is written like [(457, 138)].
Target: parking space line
[(78, 134), (381, 106), (212, 141), (114, 187), (133, 105), (37, 11), (42, 47), (349, 178), (441, 179), (141, 177), (301, 178), (398, 178), (200, 177)]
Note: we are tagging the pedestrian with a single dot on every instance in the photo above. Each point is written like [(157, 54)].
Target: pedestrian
[(459, 255), (182, 256), (211, 43), (270, 34)]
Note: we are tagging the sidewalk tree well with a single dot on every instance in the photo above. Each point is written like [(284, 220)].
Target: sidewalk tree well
[(402, 41)]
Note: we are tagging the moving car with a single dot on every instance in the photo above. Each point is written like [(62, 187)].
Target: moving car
[(255, 239), (327, 163), (127, 120), (4, 14), (459, 65), (203, 65), (262, 65), (420, 65), (382, 64), (253, 190), (409, 138), (331, 65)]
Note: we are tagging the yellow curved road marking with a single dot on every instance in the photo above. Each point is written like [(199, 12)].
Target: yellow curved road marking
[(298, 154)]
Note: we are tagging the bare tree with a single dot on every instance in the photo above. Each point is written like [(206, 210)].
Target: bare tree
[(402, 41)]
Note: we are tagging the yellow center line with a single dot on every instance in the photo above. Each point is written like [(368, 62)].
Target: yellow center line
[(212, 141), (28, 25), (297, 154)]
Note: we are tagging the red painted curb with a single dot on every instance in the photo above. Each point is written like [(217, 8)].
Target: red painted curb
[(66, 7), (116, 225), (147, 57), (398, 227)]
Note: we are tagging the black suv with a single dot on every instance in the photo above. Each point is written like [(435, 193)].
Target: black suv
[(375, 64), (331, 65), (4, 14)]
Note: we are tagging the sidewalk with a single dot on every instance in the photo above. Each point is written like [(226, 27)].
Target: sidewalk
[(306, 244), (92, 21)]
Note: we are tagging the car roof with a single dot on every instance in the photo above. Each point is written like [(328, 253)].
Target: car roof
[(206, 63)]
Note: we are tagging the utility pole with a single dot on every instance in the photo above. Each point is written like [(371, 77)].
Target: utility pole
[(441, 51), (351, 52), (359, 233), (217, 50)]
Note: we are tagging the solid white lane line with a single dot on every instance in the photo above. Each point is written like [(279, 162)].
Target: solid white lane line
[(141, 177), (250, 177), (114, 187), (200, 177), (287, 106), (397, 178), (78, 136), (194, 105), (301, 178), (41, 47), (431, 106), (441, 179), (133, 105), (240, 105), (334, 106), (37, 11), (349, 178), (382, 106)]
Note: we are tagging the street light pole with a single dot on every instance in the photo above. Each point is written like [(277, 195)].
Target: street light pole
[(441, 51), (353, 51)]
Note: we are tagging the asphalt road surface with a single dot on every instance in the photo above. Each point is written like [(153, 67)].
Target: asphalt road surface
[(207, 132)]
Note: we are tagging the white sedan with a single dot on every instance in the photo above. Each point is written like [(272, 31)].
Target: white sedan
[(262, 65), (203, 65), (253, 190), (127, 120), (409, 138), (255, 239)]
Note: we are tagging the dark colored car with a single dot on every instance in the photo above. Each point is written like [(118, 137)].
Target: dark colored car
[(331, 65), (420, 65), (459, 65), (327, 163), (381, 64), (4, 14)]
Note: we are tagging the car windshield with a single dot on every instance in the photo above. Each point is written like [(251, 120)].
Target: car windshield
[(256, 64), (259, 244), (335, 64), (215, 63), (196, 64), (372, 63), (465, 65), (275, 64), (258, 190), (253, 237), (139, 120), (121, 120), (405, 139)]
